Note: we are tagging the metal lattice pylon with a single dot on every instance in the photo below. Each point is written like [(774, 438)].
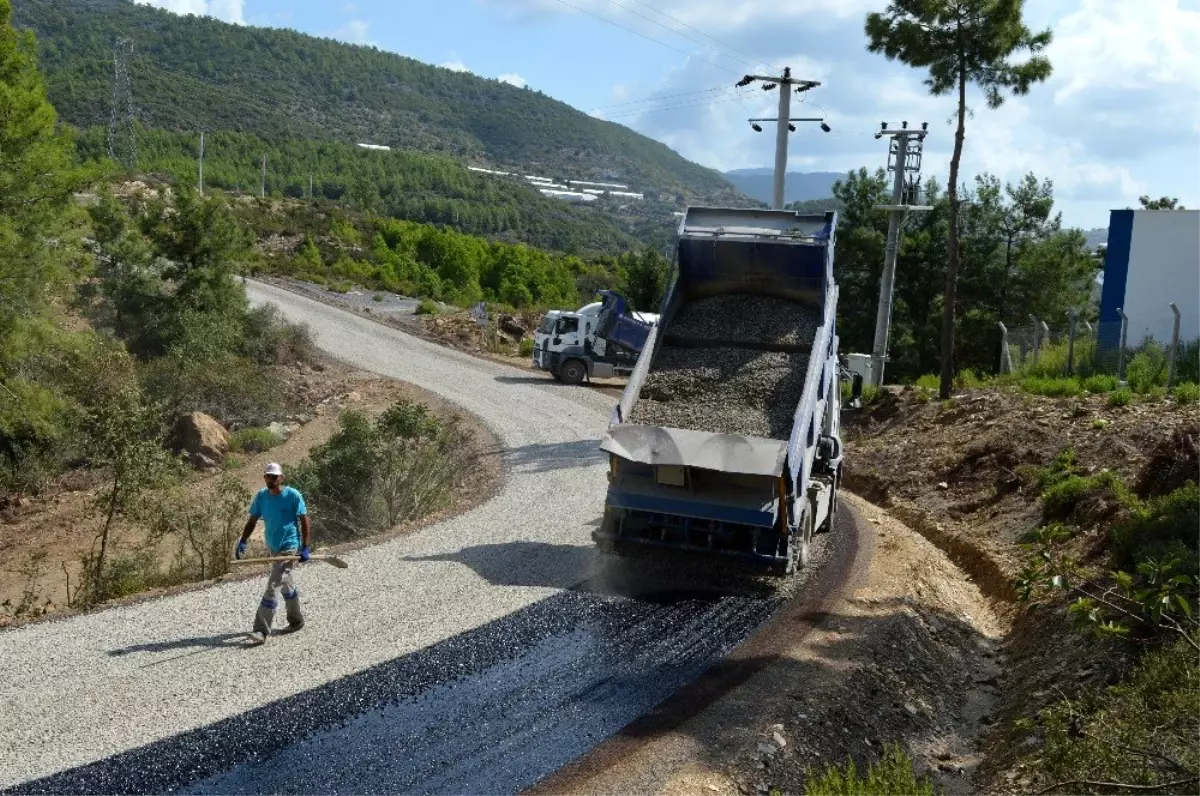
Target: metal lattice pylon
[(122, 136)]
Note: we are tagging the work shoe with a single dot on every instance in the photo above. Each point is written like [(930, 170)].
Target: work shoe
[(294, 626), (257, 637)]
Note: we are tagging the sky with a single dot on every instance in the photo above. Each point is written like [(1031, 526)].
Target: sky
[(1120, 117)]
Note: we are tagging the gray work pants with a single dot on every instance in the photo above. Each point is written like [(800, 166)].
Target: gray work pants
[(281, 578)]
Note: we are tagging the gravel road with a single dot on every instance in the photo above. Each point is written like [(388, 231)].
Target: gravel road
[(475, 655)]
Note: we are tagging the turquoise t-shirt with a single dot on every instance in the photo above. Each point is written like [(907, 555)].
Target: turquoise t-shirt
[(279, 514)]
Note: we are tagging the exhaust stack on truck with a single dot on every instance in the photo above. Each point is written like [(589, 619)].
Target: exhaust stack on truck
[(726, 440)]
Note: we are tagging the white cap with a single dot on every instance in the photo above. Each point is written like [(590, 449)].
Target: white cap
[(273, 469)]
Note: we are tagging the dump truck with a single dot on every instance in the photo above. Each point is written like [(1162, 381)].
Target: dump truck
[(600, 340), (726, 440)]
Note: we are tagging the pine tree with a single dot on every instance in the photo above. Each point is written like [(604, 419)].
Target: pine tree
[(37, 179), (960, 42)]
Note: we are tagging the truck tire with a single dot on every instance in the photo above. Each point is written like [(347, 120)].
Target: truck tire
[(572, 372), (827, 525)]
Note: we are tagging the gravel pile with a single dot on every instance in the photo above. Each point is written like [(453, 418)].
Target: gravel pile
[(747, 318), (726, 389), (723, 391)]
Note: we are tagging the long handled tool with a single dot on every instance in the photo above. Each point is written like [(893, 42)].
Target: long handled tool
[(328, 559)]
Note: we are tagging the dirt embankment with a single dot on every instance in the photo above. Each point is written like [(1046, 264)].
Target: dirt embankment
[(960, 473), (56, 529)]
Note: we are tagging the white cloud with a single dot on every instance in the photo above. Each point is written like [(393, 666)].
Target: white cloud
[(620, 91), (227, 10), (356, 31), (455, 66), (513, 79)]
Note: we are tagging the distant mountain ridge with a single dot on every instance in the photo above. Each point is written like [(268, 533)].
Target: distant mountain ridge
[(799, 186), (192, 73)]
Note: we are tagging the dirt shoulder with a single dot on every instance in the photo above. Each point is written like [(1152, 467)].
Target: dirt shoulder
[(58, 529), (961, 473), (905, 652)]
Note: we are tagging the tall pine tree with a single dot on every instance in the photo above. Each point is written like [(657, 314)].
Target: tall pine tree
[(960, 42)]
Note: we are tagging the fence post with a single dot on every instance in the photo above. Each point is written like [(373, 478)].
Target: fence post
[(1121, 352), (1037, 327), (1174, 348), (1074, 313), (1005, 353)]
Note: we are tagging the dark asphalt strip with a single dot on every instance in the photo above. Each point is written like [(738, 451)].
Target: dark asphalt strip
[(490, 711)]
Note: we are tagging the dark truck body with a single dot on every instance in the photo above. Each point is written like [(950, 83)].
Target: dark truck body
[(726, 440)]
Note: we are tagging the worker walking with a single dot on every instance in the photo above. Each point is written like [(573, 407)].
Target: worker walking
[(285, 517)]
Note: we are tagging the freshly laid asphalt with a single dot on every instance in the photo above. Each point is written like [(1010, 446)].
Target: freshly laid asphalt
[(475, 655)]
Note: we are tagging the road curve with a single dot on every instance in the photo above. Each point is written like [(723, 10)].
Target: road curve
[(475, 655)]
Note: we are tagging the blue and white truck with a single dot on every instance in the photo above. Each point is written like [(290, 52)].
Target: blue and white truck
[(726, 440), (599, 340)]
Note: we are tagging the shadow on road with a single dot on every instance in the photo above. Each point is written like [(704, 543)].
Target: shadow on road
[(204, 642), (547, 380), (553, 566), (543, 458), (637, 575)]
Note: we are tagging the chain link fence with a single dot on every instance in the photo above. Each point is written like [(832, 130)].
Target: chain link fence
[(1087, 348)]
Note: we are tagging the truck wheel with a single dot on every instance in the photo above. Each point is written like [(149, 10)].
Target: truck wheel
[(573, 372), (827, 526)]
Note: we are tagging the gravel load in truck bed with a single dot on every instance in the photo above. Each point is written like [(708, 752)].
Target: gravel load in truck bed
[(723, 390), (746, 318)]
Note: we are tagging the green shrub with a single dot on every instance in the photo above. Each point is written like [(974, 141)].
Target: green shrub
[(427, 307), (930, 381), (526, 349), (1187, 393), (1147, 368), (1053, 386), (370, 476), (893, 775), (341, 286), (968, 379), (1155, 392), (1100, 384), (1141, 732), (377, 297), (271, 339), (1121, 396), (253, 440), (1162, 528)]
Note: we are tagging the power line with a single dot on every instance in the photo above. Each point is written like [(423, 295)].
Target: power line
[(648, 38), (653, 21), (680, 106), (661, 97), (752, 61)]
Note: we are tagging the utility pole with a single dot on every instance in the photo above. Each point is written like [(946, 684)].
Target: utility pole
[(310, 187), (122, 131), (262, 190), (202, 163), (904, 156), (784, 83)]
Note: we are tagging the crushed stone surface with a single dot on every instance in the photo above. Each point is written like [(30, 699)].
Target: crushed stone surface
[(724, 389), (474, 655), (747, 318)]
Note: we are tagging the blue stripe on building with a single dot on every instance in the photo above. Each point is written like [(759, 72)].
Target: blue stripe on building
[(1116, 273)]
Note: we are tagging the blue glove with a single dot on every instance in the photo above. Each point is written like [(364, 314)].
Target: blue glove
[(241, 550), (304, 553)]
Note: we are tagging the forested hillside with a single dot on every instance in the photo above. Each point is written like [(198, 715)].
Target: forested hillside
[(191, 73), (407, 185)]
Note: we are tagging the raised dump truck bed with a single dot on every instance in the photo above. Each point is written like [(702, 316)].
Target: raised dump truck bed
[(726, 439)]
